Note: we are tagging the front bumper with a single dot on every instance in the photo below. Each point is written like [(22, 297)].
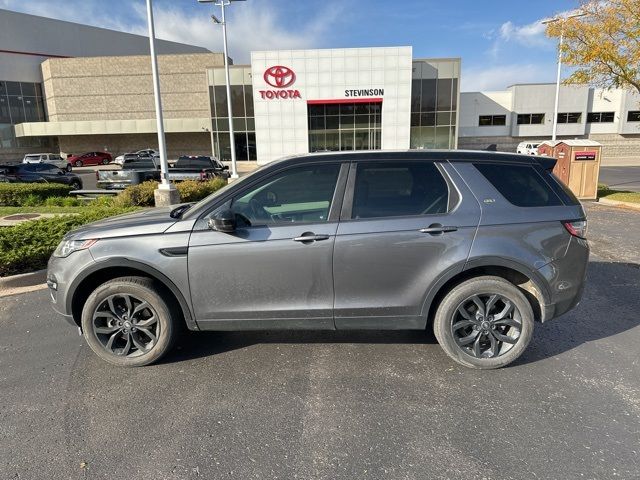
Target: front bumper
[(60, 275)]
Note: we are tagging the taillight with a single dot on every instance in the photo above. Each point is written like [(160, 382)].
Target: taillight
[(97, 176), (577, 228)]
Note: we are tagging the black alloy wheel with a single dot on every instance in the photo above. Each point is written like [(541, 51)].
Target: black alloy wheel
[(486, 326), (126, 325)]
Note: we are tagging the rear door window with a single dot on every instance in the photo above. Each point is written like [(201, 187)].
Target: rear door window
[(521, 185), (399, 189)]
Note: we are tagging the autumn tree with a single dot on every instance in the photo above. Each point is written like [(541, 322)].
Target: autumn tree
[(603, 45)]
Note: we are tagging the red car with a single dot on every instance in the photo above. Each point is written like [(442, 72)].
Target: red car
[(90, 158)]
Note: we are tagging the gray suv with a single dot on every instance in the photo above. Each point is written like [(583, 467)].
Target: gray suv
[(476, 245)]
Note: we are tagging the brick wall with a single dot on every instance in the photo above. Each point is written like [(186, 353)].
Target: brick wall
[(121, 88)]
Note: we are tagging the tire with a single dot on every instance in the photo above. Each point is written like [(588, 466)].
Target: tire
[(75, 185), (105, 161), (68, 167), (125, 335), (457, 308), (78, 163)]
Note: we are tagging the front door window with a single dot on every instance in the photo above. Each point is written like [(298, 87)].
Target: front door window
[(297, 195)]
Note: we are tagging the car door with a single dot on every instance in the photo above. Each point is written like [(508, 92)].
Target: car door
[(404, 224), (275, 269)]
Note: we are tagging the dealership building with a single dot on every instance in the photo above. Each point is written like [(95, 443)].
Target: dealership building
[(75, 89), (525, 113)]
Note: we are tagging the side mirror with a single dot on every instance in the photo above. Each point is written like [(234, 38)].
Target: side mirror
[(224, 222)]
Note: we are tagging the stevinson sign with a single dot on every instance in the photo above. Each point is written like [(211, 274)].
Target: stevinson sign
[(280, 78)]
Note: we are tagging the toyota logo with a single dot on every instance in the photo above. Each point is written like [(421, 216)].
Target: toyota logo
[(279, 76)]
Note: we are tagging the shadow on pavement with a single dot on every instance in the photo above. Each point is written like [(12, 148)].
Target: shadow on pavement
[(609, 307)]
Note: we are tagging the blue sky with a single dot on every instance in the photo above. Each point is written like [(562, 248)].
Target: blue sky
[(501, 42)]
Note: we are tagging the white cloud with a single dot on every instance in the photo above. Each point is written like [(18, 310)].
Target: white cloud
[(254, 26), (477, 79), (531, 35)]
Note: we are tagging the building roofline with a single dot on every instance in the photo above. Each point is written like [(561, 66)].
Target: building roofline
[(67, 22)]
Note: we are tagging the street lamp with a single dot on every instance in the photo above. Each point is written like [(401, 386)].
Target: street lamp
[(166, 194), (555, 110), (232, 143)]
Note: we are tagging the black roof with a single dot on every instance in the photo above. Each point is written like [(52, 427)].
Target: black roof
[(449, 155)]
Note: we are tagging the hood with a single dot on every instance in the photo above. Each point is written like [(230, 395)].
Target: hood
[(147, 222)]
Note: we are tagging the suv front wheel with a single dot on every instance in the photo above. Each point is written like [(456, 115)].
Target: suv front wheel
[(126, 322), (484, 322)]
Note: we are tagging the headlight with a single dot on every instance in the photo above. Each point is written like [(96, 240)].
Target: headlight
[(67, 247)]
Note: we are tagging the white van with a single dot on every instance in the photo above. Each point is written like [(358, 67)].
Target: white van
[(52, 158), (528, 148)]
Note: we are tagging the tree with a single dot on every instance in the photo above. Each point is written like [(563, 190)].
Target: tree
[(603, 45)]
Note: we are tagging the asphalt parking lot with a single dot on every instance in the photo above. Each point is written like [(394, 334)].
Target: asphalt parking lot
[(621, 178), (331, 405)]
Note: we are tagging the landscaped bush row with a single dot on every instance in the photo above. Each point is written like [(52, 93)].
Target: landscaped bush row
[(190, 191), (27, 247), (30, 194)]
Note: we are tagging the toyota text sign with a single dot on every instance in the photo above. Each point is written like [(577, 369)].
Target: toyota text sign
[(279, 77)]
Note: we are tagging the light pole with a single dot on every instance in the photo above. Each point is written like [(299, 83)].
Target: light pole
[(232, 143), (166, 194), (557, 101)]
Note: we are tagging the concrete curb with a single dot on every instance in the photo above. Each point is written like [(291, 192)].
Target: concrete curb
[(24, 280), (617, 203)]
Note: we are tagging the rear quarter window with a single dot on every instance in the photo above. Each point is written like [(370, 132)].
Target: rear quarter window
[(521, 185)]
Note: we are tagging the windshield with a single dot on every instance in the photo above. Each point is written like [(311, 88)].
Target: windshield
[(203, 204)]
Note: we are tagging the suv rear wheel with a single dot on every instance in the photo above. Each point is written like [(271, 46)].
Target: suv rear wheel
[(485, 322), (126, 322)]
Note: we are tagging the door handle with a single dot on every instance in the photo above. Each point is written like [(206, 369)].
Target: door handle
[(438, 229), (308, 237)]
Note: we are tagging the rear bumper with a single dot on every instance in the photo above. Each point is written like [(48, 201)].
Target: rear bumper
[(566, 279)]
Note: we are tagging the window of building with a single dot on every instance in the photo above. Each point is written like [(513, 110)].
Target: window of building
[(399, 189), (573, 117), (345, 126), (530, 118), (521, 185), (492, 120), (600, 117), (297, 195), (434, 103), (633, 116), (243, 122)]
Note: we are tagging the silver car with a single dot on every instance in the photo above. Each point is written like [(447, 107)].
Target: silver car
[(478, 246)]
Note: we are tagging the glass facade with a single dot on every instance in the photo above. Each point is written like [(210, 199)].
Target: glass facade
[(242, 114), (344, 126), (21, 102), (434, 105)]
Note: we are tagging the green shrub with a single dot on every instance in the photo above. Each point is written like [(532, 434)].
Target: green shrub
[(137, 195), (62, 202), (28, 246), (193, 191), (16, 194), (190, 191)]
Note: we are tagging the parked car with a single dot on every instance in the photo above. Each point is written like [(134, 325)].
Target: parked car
[(52, 158), (134, 171), (39, 173), (528, 148), (478, 246), (146, 153), (89, 159), (197, 167)]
